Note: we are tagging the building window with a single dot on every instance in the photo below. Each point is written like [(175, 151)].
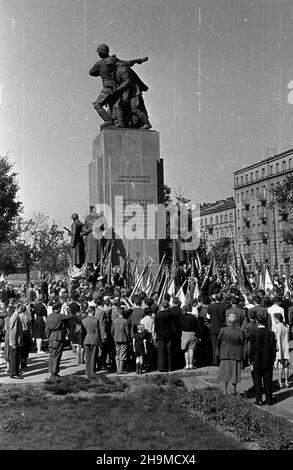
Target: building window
[(263, 172), (237, 198), (238, 214), (221, 218), (237, 181), (256, 175), (290, 162), (277, 167), (206, 222), (257, 192), (252, 210), (241, 179), (242, 196), (251, 176), (217, 219), (252, 193), (283, 165), (271, 169), (211, 220), (226, 217), (257, 210), (246, 178), (231, 217)]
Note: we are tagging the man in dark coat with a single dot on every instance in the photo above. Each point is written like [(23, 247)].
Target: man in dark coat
[(77, 245), (74, 308), (262, 354), (177, 353), (55, 330), (164, 330), (217, 313)]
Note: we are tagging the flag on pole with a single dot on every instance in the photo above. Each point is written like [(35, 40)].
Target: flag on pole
[(269, 286), (196, 291), (286, 287), (243, 277), (180, 294), (208, 274)]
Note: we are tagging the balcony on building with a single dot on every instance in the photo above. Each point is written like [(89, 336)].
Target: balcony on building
[(262, 198), (245, 202), (263, 232), (285, 252), (246, 218), (247, 257), (263, 214), (246, 235)]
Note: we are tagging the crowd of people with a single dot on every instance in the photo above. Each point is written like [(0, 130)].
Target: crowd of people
[(108, 328)]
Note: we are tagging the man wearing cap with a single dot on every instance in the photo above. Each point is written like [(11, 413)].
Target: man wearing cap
[(56, 330), (77, 245), (105, 68)]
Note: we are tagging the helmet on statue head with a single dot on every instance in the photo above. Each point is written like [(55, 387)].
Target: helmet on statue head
[(103, 48)]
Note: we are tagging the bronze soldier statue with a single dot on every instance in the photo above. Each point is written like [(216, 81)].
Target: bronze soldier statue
[(77, 254), (91, 241), (129, 110), (106, 68)]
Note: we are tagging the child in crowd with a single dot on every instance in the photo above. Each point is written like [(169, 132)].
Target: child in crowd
[(140, 346)]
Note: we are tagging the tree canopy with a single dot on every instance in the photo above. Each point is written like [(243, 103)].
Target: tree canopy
[(9, 206)]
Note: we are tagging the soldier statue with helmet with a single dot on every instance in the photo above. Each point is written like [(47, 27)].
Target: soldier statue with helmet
[(126, 96)]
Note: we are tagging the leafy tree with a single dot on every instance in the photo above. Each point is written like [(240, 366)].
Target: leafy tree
[(36, 244), (9, 207), (221, 249), (283, 195), (167, 195)]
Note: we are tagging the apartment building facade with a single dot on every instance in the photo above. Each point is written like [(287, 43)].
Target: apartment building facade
[(261, 230), (217, 221)]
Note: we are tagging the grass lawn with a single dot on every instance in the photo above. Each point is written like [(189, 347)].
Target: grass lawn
[(145, 416)]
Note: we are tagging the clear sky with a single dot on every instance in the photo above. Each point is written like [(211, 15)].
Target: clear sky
[(218, 74)]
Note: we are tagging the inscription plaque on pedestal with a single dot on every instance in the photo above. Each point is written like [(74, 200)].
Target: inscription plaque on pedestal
[(126, 174)]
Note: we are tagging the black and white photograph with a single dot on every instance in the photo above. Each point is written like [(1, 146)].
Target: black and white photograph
[(146, 231)]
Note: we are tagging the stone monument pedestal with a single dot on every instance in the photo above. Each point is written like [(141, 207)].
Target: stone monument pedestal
[(125, 181)]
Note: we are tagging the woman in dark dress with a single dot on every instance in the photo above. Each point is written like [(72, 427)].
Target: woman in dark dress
[(230, 346), (39, 327)]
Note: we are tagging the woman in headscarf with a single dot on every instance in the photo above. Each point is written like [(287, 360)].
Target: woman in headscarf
[(230, 345)]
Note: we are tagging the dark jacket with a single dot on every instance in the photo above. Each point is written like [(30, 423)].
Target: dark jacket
[(262, 312), (187, 322), (164, 325), (135, 317), (239, 313), (217, 312), (230, 343), (56, 326), (176, 315), (262, 350)]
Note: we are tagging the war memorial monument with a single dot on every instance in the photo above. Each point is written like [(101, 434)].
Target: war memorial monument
[(126, 177)]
